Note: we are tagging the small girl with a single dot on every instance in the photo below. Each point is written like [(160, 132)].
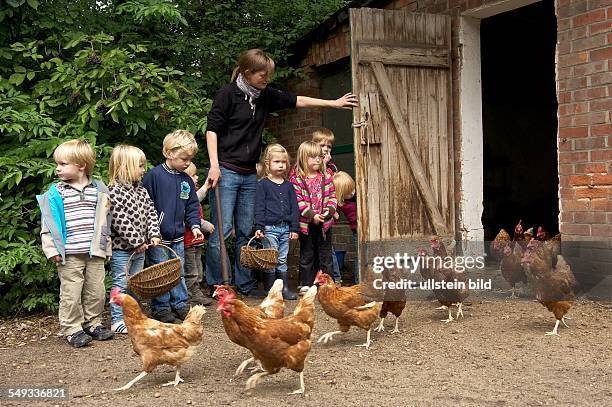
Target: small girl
[(193, 249), (316, 198), (134, 220), (345, 195), (276, 213)]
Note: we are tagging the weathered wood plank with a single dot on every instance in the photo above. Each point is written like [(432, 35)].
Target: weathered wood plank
[(408, 148), (436, 57)]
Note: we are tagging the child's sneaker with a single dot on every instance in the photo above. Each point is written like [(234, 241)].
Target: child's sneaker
[(119, 327), (99, 333), (78, 339), (304, 289)]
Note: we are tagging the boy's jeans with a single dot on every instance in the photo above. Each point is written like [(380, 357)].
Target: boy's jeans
[(117, 264), (336, 267), (176, 299), (279, 237), (238, 207)]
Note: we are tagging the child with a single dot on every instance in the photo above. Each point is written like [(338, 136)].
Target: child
[(345, 195), (276, 213), (75, 230), (316, 198), (193, 249), (325, 138), (134, 220), (174, 196)]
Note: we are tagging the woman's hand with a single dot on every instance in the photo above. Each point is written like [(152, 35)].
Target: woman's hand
[(293, 236), (214, 175), (347, 101), (56, 259), (259, 234), (141, 248), (155, 241)]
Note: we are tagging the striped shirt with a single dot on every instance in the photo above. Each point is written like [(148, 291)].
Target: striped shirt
[(80, 213)]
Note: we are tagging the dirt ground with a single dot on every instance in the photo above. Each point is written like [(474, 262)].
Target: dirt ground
[(496, 355)]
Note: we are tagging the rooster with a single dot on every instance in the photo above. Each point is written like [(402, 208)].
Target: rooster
[(158, 343), (511, 267), (553, 286), (439, 273), (347, 305), (272, 307), (276, 343)]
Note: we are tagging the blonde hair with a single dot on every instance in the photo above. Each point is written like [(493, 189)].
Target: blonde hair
[(323, 134), (191, 170), (78, 152), (267, 157), (179, 141), (124, 163), (305, 150), (344, 185), (254, 60)]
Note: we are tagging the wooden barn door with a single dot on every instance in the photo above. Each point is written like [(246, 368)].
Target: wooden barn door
[(403, 130)]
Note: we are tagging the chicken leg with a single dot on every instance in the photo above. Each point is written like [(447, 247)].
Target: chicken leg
[(450, 316), (396, 329), (302, 387), (554, 331), (459, 309), (563, 318), (512, 294), (130, 384), (328, 336), (252, 381), (381, 326), (177, 378), (368, 341), (243, 366)]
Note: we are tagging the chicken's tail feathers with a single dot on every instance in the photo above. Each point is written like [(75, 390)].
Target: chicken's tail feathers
[(276, 290), (307, 299), (195, 314)]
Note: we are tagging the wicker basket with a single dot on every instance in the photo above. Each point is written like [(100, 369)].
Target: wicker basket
[(155, 280), (258, 259)]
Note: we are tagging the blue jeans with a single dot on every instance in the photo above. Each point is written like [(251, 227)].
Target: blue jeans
[(335, 266), (238, 205), (279, 237), (176, 299), (117, 265)]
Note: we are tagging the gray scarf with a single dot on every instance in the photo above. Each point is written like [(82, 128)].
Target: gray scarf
[(250, 92)]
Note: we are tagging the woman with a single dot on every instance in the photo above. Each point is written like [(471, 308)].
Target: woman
[(233, 137)]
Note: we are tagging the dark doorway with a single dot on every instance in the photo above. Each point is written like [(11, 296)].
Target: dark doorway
[(519, 107)]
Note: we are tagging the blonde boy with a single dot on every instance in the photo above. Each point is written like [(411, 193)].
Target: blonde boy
[(75, 234), (174, 196), (325, 138)]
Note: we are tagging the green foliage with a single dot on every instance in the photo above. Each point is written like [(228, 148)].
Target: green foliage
[(112, 71)]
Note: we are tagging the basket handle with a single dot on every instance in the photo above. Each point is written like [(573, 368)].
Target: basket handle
[(127, 263), (251, 239)]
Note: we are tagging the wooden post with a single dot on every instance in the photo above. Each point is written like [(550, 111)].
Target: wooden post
[(223, 250)]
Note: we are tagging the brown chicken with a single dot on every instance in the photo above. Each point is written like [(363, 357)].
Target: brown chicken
[(272, 306), (553, 244), (552, 286), (445, 275), (497, 245), (511, 267), (347, 305), (158, 343), (394, 301), (276, 343)]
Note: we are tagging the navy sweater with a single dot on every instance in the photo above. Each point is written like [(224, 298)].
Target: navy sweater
[(175, 199), (276, 203)]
